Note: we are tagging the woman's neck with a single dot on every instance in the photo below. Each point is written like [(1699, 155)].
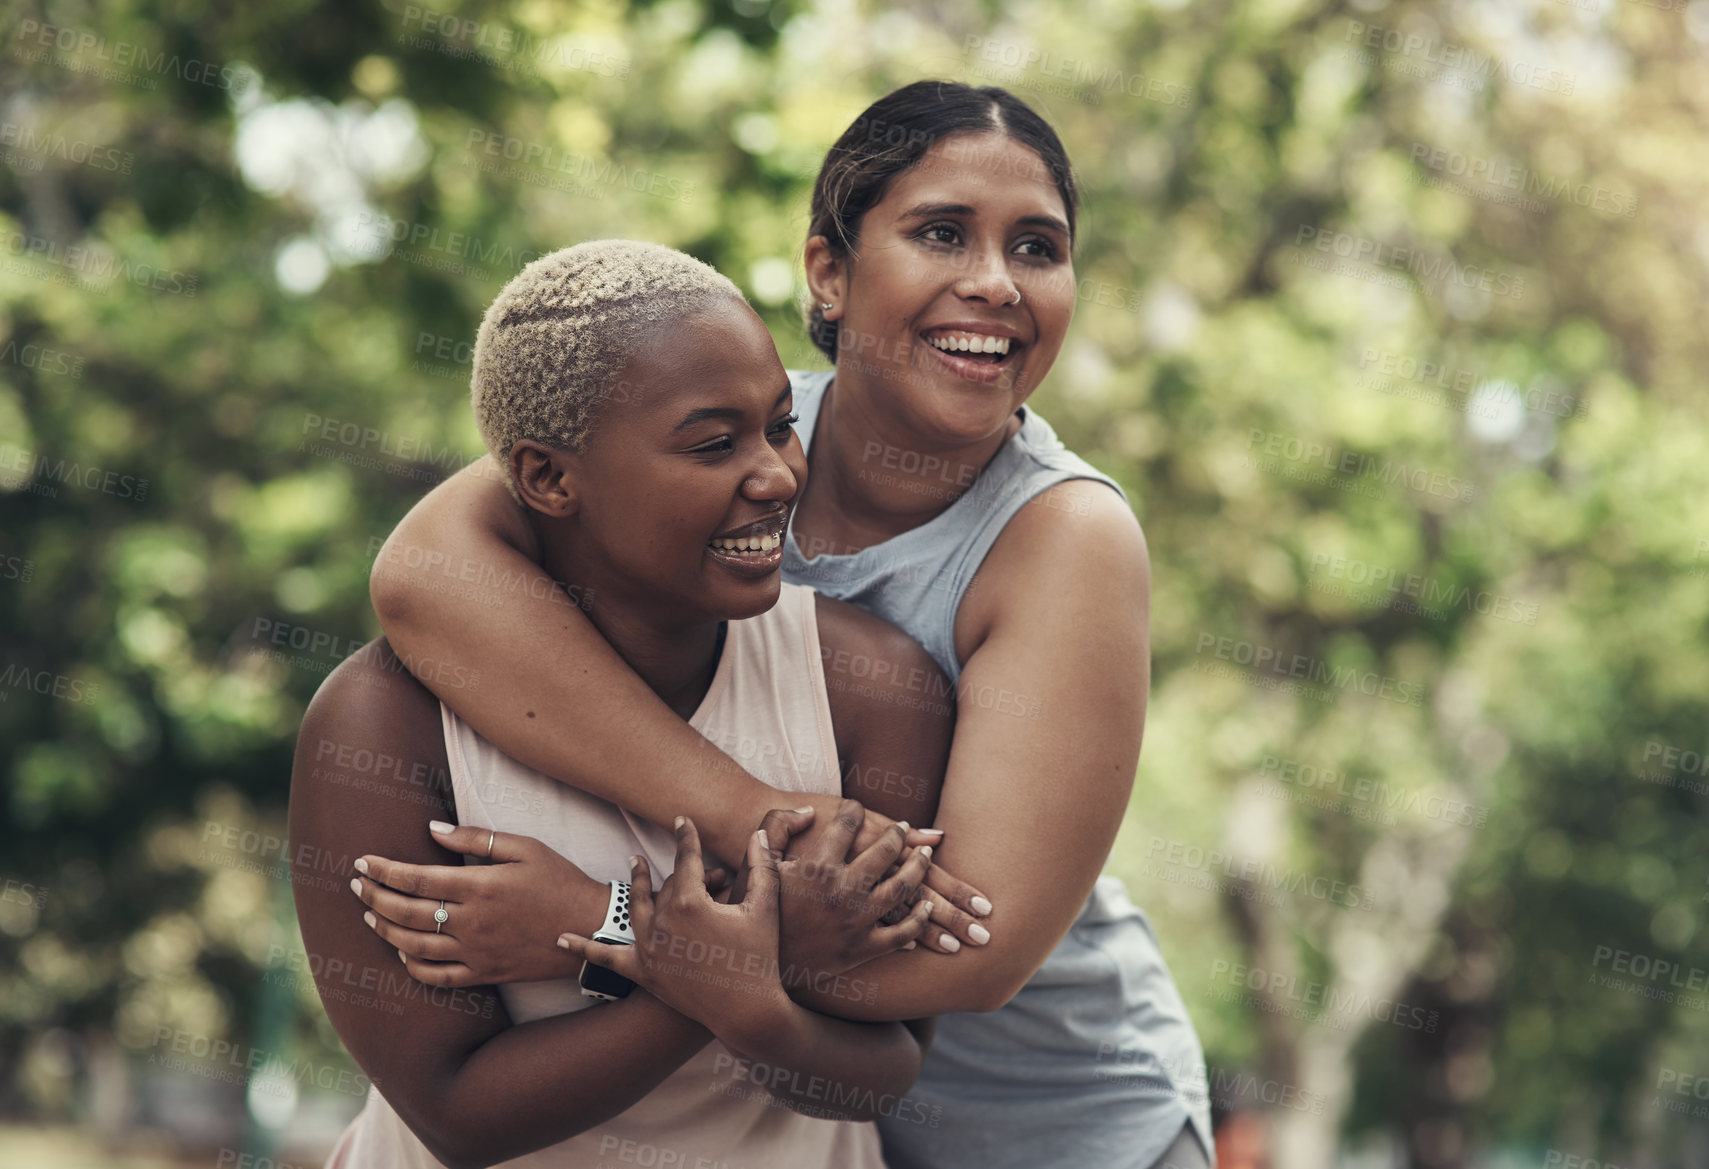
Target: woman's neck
[(872, 479), (677, 661)]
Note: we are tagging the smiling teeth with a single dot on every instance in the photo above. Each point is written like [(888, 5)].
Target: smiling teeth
[(759, 544), (967, 343)]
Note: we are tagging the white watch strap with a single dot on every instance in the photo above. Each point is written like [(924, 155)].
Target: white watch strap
[(617, 928)]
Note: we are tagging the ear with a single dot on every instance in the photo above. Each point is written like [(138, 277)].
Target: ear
[(827, 276), (545, 478)]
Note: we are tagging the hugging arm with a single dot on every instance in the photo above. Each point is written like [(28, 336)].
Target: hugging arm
[(473, 1088), (1049, 717), (460, 592)]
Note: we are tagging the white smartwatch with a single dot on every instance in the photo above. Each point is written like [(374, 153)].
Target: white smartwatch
[(596, 981)]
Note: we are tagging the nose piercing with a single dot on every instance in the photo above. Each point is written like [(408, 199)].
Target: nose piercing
[(1017, 299)]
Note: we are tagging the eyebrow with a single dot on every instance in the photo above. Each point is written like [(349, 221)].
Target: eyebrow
[(729, 413), (926, 210)]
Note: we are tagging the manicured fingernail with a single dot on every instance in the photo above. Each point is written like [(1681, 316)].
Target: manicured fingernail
[(563, 943), (910, 945), (679, 821), (369, 918), (926, 851), (356, 886), (928, 906), (804, 811), (952, 943), (634, 862), (931, 831), (361, 866), (978, 934), (903, 825), (764, 843), (440, 827), (981, 906), (402, 959)]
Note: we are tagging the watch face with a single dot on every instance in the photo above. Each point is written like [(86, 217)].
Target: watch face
[(599, 982)]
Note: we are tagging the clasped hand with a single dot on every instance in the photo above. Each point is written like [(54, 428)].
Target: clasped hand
[(504, 919)]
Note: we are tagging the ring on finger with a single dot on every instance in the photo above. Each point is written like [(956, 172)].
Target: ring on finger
[(491, 836), (440, 917)]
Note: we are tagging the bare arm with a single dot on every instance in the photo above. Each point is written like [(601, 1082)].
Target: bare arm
[(475, 1089), (458, 583), (1050, 714), (461, 596)]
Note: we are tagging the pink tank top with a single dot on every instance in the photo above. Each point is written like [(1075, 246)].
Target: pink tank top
[(768, 708)]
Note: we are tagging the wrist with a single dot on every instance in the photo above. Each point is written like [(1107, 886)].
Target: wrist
[(737, 820), (762, 1026)]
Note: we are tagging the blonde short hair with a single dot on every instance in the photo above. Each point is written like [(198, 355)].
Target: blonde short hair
[(558, 337)]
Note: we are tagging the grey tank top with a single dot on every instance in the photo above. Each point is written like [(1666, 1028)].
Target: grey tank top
[(1094, 1062)]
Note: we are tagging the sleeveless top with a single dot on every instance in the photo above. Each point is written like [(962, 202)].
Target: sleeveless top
[(768, 689), (1094, 1062)]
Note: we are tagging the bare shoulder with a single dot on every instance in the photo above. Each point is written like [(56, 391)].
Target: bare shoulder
[(372, 696), (1076, 545)]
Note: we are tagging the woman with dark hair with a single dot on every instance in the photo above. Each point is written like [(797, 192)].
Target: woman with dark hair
[(941, 278)]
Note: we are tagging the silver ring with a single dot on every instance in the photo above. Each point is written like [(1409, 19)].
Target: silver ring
[(490, 840), (440, 917), (1017, 299)]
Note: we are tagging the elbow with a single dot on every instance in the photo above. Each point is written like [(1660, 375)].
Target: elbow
[(387, 592), (991, 994)]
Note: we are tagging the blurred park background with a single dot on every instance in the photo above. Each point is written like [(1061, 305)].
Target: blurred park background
[(1391, 320)]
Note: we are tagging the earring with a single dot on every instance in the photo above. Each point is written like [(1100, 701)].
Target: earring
[(1017, 299), (826, 306)]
